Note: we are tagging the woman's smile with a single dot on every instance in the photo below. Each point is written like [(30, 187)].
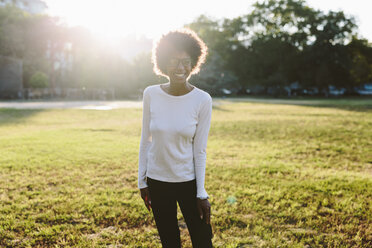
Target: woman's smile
[(179, 67)]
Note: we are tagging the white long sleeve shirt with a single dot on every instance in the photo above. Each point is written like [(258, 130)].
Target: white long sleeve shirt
[(174, 137)]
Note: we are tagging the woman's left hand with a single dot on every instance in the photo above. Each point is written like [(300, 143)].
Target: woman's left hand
[(204, 209)]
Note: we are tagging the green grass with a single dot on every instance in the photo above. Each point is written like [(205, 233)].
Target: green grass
[(279, 175)]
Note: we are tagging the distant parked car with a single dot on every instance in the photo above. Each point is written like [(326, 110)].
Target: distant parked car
[(364, 90), (243, 91), (309, 91), (257, 90), (277, 91), (334, 91), (226, 91)]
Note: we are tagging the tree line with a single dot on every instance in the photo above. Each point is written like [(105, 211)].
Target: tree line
[(286, 41), (277, 44)]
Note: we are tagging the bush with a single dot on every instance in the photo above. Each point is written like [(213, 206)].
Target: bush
[(39, 80)]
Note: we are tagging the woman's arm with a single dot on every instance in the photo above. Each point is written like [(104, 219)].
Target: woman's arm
[(145, 141), (200, 145)]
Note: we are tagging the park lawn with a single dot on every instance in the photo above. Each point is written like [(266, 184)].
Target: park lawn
[(279, 175)]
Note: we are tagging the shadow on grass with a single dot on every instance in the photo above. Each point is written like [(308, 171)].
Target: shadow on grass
[(362, 104), (8, 116)]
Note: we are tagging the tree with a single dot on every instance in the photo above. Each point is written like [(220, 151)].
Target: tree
[(39, 80), (269, 62), (313, 43), (361, 56), (142, 71), (36, 39), (213, 76), (217, 72)]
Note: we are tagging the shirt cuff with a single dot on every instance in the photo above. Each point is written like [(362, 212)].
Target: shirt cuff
[(201, 193), (142, 184)]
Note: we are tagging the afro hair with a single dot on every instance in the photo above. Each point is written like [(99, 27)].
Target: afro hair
[(180, 40)]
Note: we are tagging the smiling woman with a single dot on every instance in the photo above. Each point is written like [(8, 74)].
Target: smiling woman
[(175, 127)]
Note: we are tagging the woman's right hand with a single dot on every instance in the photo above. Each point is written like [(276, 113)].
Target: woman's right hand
[(145, 194)]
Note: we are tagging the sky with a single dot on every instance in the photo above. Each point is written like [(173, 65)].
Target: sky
[(116, 18)]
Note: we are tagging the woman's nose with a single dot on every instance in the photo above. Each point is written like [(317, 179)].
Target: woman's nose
[(180, 65)]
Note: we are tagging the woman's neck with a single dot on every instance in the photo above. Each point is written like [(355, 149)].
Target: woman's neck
[(179, 88)]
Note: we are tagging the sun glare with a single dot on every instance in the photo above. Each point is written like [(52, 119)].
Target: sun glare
[(108, 19), (112, 19)]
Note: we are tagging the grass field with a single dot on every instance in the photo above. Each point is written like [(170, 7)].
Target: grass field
[(279, 175)]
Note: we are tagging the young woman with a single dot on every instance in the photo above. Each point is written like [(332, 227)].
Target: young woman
[(175, 127)]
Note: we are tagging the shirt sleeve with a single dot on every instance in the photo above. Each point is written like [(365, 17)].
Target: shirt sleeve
[(200, 145), (145, 141)]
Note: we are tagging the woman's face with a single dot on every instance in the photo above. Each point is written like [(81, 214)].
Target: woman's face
[(179, 67)]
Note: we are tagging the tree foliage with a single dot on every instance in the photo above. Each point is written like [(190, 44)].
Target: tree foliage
[(39, 80), (286, 41)]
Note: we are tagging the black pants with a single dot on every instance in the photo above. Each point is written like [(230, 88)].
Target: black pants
[(164, 197)]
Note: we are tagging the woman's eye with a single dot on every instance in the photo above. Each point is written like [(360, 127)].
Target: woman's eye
[(186, 62), (175, 62)]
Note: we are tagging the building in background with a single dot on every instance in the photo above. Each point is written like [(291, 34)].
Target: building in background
[(11, 85)]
